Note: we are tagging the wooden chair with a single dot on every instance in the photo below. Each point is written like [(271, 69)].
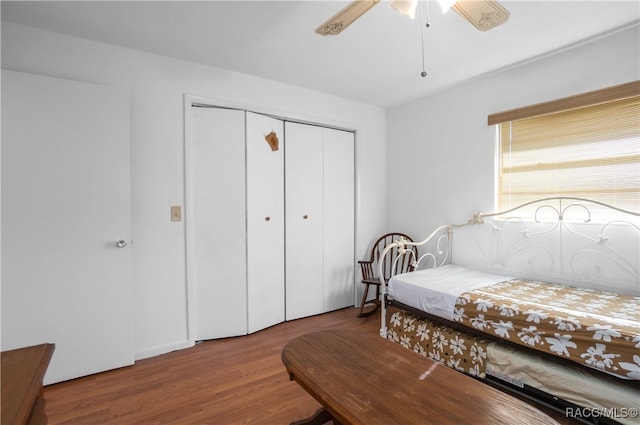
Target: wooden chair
[(390, 267)]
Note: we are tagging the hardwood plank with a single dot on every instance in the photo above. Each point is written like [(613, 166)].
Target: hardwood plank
[(230, 381), (227, 381)]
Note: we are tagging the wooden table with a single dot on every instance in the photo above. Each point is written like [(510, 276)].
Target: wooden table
[(364, 379), (22, 372)]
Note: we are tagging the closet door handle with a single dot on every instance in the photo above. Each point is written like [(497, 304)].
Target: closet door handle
[(267, 218), (306, 216)]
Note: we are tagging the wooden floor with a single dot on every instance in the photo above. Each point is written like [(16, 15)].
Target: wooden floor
[(230, 381)]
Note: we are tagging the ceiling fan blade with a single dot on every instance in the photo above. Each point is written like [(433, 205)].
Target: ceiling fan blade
[(346, 17), (483, 14)]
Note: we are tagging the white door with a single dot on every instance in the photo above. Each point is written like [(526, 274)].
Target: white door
[(304, 225), (339, 216), (65, 202), (216, 222), (265, 222)]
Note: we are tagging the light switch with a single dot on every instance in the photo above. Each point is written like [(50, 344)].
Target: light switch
[(176, 213)]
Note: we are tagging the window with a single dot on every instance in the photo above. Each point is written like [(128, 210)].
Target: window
[(585, 146)]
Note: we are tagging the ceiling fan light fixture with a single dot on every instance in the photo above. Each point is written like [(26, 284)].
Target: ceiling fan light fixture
[(483, 14), (405, 7), (446, 4)]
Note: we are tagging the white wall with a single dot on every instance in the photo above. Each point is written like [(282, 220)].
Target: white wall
[(442, 145), (156, 85)]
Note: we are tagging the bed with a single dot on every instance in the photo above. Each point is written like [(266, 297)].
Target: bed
[(543, 299)]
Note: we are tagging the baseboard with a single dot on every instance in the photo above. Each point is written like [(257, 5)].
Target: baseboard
[(162, 349)]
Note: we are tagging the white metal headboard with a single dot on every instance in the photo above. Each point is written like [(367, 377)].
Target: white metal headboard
[(566, 240)]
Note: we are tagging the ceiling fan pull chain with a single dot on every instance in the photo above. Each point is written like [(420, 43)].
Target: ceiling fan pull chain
[(428, 24), (422, 28)]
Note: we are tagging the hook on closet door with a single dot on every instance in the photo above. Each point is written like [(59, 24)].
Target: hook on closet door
[(272, 140)]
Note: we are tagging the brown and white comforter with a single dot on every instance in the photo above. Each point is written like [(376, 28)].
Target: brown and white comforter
[(598, 329)]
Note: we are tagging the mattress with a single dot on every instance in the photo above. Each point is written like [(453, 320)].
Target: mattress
[(576, 385), (436, 290)]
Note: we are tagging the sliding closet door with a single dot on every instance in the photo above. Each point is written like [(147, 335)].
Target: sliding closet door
[(216, 222), (304, 234), (265, 221), (339, 199)]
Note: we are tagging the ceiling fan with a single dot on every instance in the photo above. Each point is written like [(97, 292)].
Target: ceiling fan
[(483, 14)]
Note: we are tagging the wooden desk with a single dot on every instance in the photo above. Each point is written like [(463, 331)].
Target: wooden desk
[(22, 372), (362, 379)]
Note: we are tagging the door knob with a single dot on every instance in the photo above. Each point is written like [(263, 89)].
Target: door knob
[(121, 243)]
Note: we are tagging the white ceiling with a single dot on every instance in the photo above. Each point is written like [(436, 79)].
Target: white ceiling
[(376, 60)]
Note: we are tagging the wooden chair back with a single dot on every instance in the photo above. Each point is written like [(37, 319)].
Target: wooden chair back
[(394, 262)]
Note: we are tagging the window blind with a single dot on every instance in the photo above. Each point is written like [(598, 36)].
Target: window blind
[(591, 151)]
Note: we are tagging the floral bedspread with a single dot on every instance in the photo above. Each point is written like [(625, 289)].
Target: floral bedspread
[(598, 329), (457, 350)]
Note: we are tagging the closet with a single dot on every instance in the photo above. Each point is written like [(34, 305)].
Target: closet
[(319, 219), (270, 220)]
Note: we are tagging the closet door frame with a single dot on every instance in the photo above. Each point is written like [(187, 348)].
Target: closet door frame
[(188, 101)]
